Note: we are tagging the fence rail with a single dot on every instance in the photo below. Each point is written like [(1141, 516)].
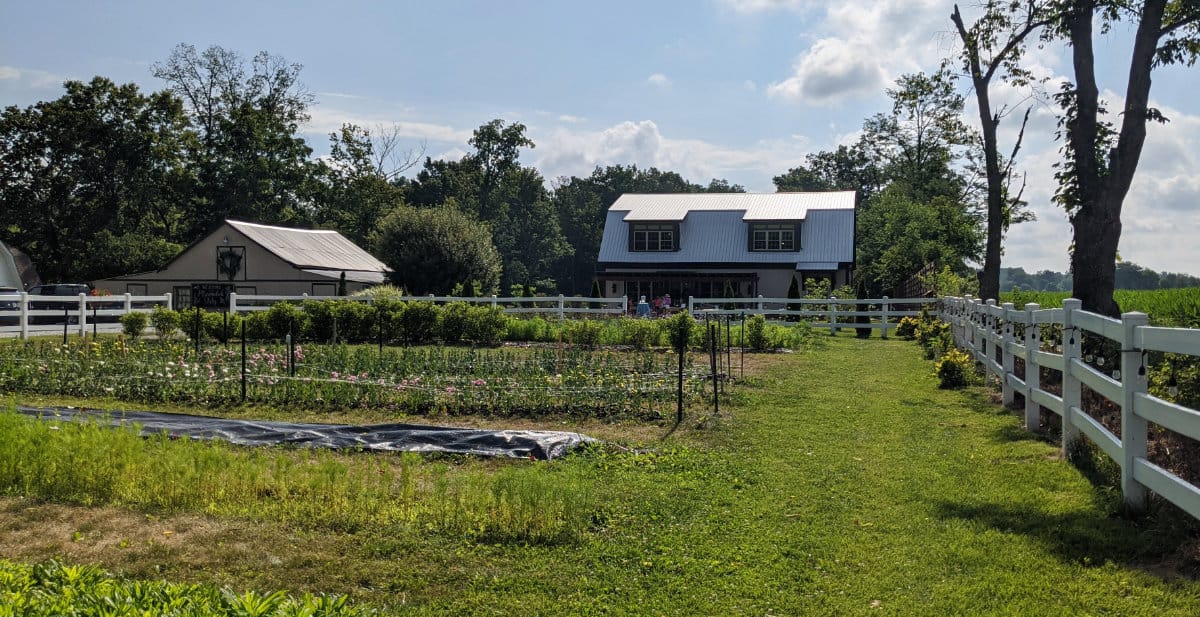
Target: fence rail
[(552, 305), (39, 315), (882, 313), (988, 331)]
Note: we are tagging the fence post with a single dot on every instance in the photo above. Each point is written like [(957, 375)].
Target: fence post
[(884, 317), (24, 318), (233, 302), (1133, 426), (82, 315), (691, 305), (760, 308), (166, 297), (989, 335), (1033, 379), (560, 307), (493, 302), (832, 307), (128, 306), (1006, 357), (1071, 386)]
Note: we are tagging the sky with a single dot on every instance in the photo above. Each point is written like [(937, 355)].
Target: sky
[(733, 89)]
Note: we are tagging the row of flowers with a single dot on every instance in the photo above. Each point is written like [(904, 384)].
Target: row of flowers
[(410, 380)]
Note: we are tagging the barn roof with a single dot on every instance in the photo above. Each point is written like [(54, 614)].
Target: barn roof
[(310, 249)]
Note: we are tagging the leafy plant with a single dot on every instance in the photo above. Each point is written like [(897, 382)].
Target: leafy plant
[(134, 323), (756, 333), (955, 369), (165, 321)]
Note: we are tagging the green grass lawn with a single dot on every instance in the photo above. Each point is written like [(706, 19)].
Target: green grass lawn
[(839, 481)]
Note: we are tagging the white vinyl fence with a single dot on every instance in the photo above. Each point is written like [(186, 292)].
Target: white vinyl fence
[(990, 332), (559, 306), (46, 315), (883, 313)]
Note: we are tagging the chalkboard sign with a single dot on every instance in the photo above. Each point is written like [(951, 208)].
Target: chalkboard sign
[(211, 295)]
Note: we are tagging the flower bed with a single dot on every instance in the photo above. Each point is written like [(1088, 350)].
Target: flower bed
[(411, 380)]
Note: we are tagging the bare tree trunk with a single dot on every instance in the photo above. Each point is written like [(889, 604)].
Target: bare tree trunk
[(1093, 261)]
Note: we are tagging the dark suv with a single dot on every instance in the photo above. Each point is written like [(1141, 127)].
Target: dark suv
[(59, 289), (10, 300)]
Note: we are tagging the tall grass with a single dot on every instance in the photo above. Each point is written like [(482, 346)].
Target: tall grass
[(84, 463), (1167, 307)]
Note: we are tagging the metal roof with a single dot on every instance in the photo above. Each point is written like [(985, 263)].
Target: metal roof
[(316, 249), (826, 237), (753, 206)]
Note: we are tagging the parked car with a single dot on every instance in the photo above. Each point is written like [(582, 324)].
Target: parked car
[(10, 300), (58, 289)]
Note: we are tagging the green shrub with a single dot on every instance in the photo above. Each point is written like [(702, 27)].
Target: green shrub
[(133, 323), (319, 322), (755, 333), (356, 321), (165, 321), (257, 326), (531, 329), (419, 322), (453, 323), (680, 329), (485, 324), (640, 333), (189, 321), (907, 328), (955, 369), (583, 332), (214, 325), (284, 317)]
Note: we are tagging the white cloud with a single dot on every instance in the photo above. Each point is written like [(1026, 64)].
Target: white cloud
[(9, 72), (453, 154), (658, 79), (326, 120), (565, 152), (866, 45), (32, 78), (749, 85), (571, 119), (758, 6)]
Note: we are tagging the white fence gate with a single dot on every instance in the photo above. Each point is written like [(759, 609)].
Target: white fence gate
[(989, 331)]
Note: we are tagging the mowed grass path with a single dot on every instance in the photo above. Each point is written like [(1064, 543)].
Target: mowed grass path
[(840, 482), (847, 483)]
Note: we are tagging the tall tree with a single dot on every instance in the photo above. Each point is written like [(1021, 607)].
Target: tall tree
[(492, 186), (848, 168), (89, 181), (1101, 159), (994, 44), (249, 158), (357, 190)]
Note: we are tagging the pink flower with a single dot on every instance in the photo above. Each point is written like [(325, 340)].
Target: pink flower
[(451, 390), (478, 382), (333, 375)]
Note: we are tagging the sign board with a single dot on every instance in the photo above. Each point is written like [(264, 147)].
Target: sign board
[(211, 295)]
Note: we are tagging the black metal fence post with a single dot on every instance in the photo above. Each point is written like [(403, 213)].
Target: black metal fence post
[(66, 320), (682, 349), (199, 323), (742, 347), (243, 361), (95, 330), (713, 332), (379, 319), (291, 347)]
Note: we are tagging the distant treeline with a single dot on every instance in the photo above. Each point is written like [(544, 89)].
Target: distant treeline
[(1129, 276)]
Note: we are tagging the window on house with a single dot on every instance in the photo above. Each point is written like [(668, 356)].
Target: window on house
[(773, 237), (654, 237), (183, 297)]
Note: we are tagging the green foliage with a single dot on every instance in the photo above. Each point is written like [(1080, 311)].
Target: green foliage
[(679, 328), (53, 588), (955, 369), (432, 249), (756, 333), (641, 333), (452, 326), (583, 332), (907, 328), (946, 283), (284, 318), (134, 323), (486, 325), (165, 321), (419, 322)]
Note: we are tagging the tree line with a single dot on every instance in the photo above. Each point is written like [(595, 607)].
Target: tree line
[(1128, 276)]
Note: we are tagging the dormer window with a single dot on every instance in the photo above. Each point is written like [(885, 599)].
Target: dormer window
[(653, 237), (766, 237)]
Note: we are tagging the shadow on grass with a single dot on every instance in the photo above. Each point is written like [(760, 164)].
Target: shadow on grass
[(1088, 537)]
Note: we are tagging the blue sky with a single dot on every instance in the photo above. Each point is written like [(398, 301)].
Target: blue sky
[(735, 89)]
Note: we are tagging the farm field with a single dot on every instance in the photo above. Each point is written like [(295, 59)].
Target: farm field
[(1166, 307), (835, 481)]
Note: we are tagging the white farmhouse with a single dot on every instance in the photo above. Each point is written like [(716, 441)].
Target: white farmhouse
[(258, 259), (693, 244)]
